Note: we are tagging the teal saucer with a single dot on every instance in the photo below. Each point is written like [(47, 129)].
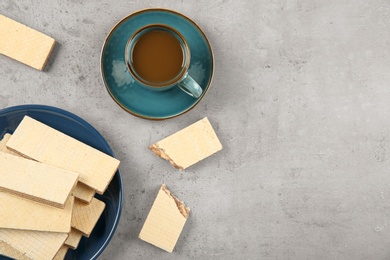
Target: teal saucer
[(128, 93)]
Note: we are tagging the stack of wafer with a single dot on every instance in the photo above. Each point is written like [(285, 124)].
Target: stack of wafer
[(47, 185)]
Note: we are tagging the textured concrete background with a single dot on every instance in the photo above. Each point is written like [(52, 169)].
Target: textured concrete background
[(300, 100)]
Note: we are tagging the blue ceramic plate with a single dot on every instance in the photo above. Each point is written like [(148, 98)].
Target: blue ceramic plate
[(128, 93), (72, 125)]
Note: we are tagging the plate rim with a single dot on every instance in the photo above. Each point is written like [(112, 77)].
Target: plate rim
[(96, 134), (134, 14)]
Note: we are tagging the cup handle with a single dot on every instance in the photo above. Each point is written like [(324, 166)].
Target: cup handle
[(190, 86)]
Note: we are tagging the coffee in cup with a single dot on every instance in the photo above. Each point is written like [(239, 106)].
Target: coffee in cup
[(158, 57)]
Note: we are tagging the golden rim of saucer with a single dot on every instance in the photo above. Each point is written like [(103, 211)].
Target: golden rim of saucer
[(149, 10)]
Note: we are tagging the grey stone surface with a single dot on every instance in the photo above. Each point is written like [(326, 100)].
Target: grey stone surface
[(300, 101)]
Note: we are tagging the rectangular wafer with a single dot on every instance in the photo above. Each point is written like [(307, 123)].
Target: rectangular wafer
[(20, 213), (47, 145), (74, 238), (5, 149), (3, 146), (36, 181), (3, 142), (24, 44), (9, 251), (60, 255), (165, 221), (83, 192), (32, 244), (85, 216), (189, 145)]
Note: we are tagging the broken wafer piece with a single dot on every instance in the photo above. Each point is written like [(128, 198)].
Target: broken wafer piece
[(19, 213), (24, 44), (189, 145), (36, 181), (33, 244), (74, 238), (165, 221), (85, 216), (47, 145)]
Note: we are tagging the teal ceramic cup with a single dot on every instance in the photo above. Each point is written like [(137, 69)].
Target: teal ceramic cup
[(181, 80)]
